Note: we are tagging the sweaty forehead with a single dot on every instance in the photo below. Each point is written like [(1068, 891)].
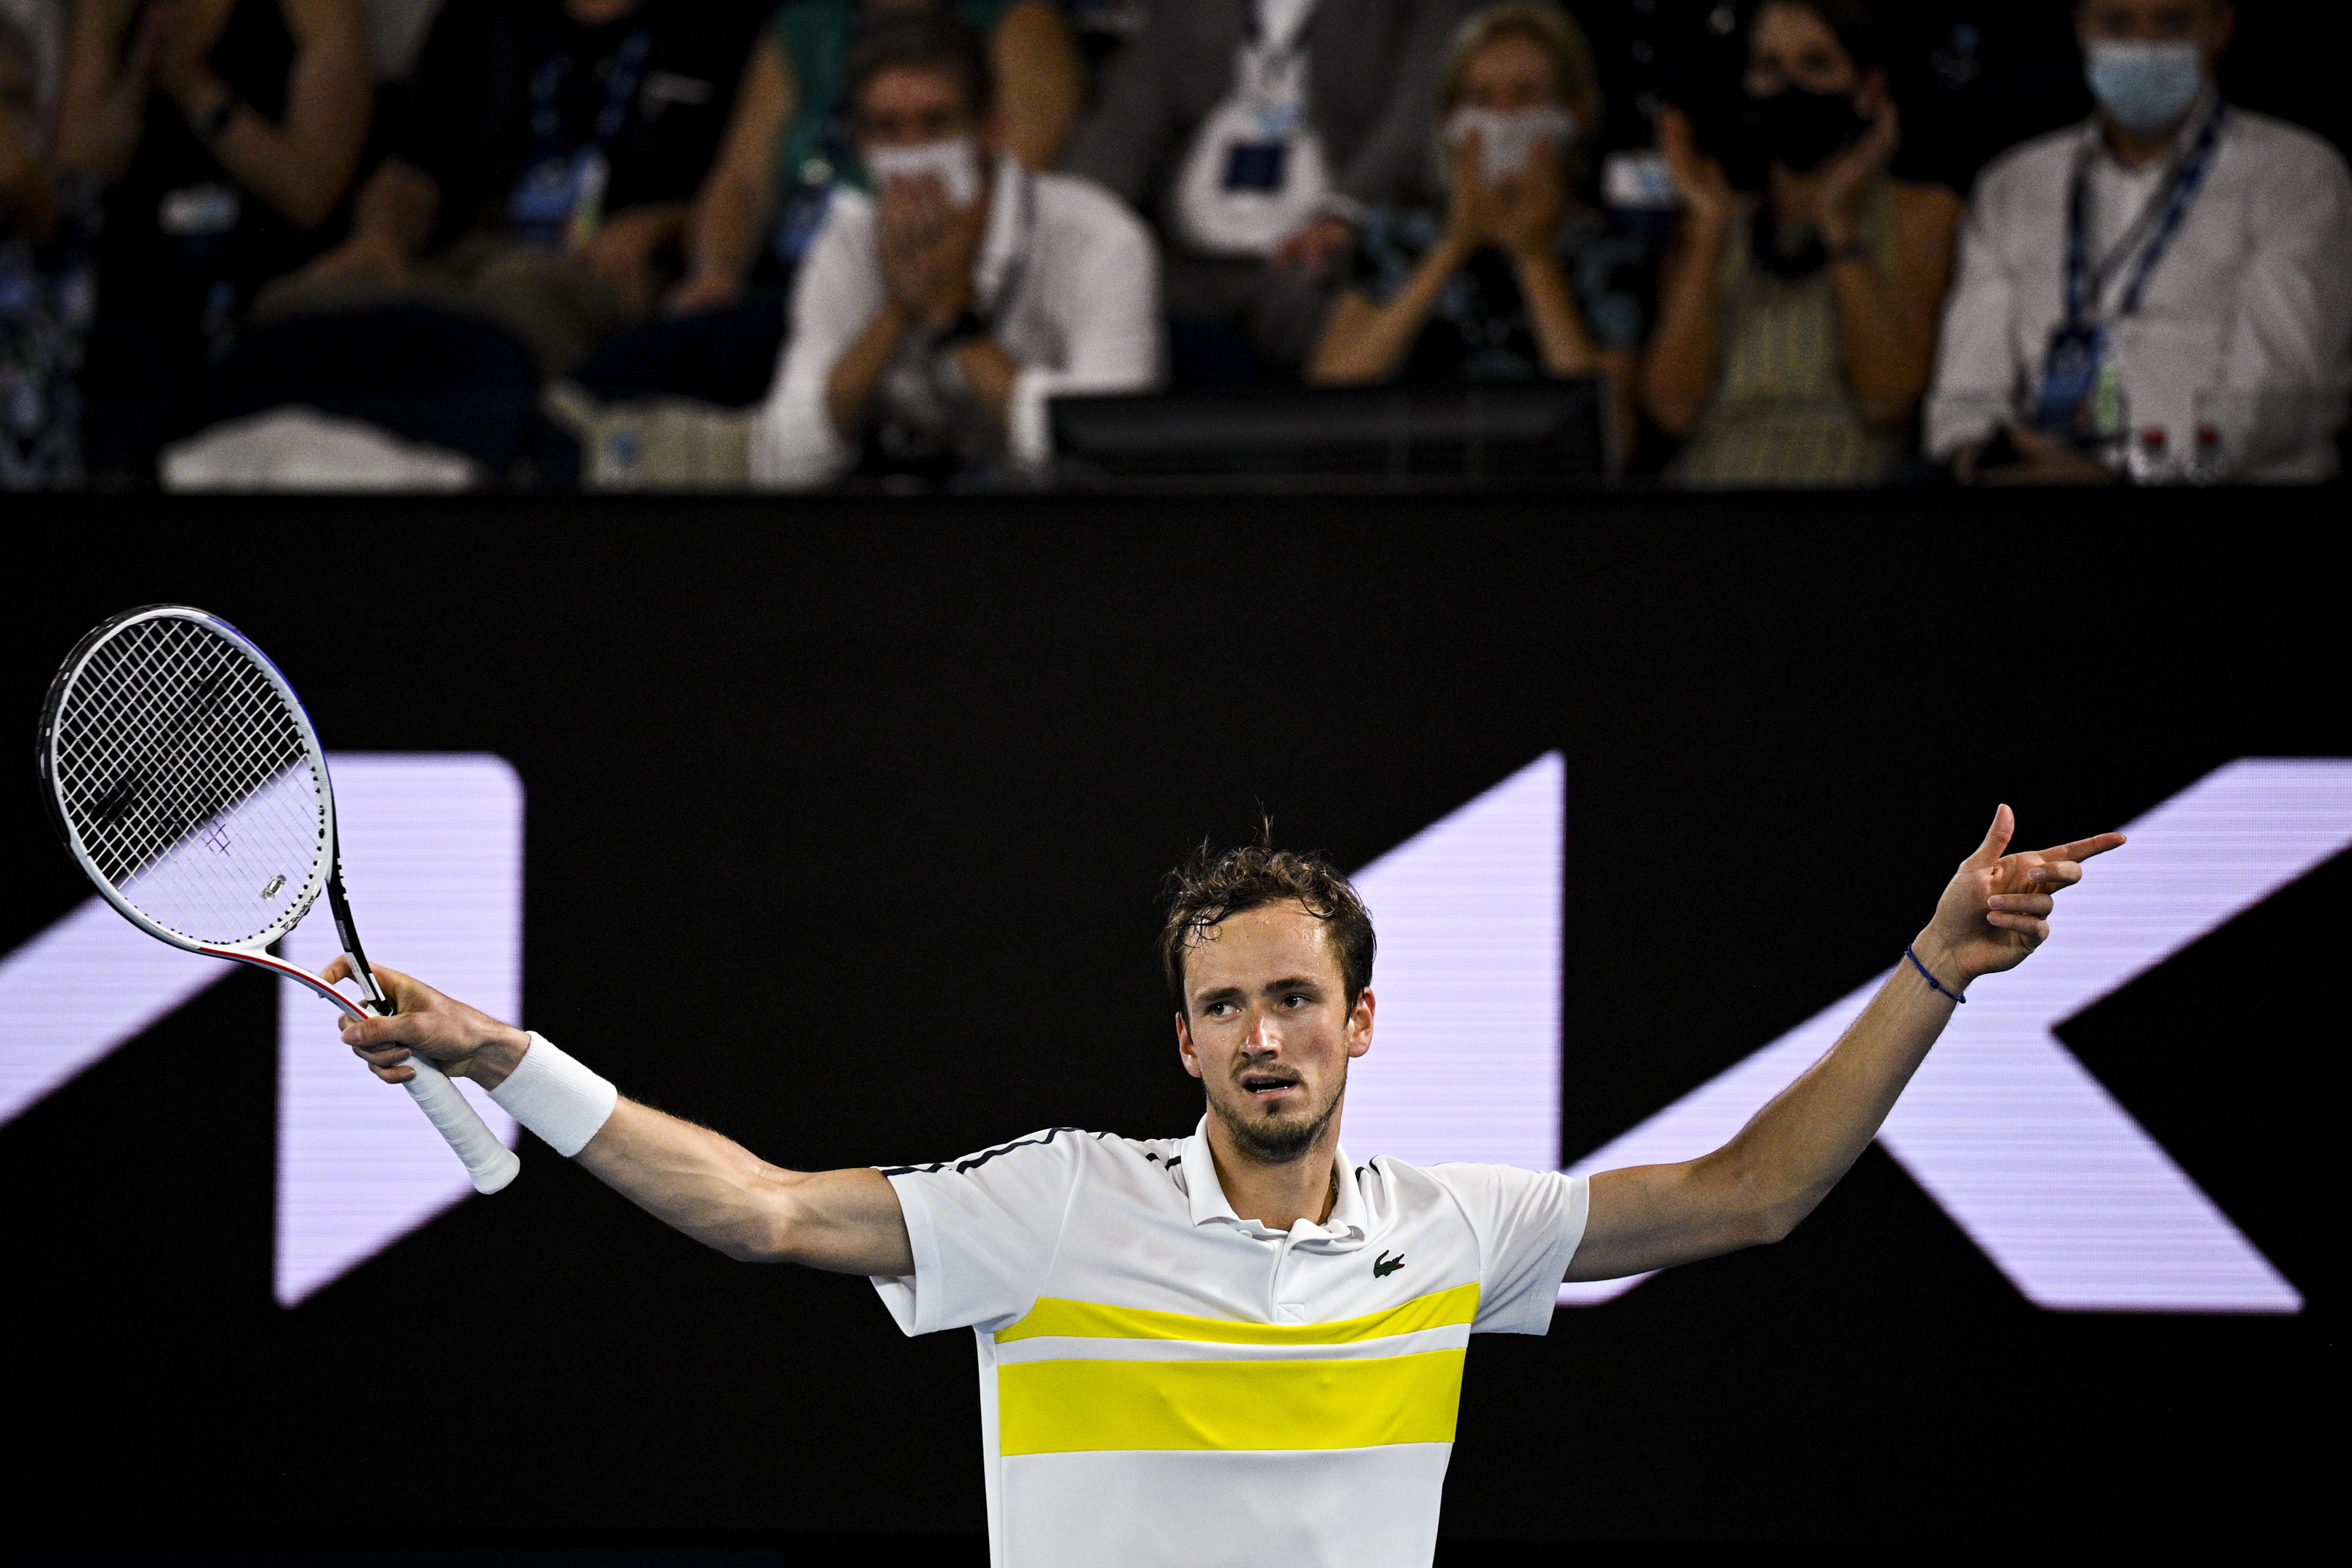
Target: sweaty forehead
[(1273, 942)]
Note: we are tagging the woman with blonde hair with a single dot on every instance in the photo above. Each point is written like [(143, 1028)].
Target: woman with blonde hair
[(1516, 279)]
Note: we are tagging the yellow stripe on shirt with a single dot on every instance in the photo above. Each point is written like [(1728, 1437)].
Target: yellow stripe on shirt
[(1093, 1320), (1064, 1406)]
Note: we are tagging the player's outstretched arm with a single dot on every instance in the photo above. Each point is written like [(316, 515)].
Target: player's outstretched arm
[(1756, 1188), (708, 1186)]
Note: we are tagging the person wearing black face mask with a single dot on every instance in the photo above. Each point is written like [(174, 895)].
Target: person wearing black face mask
[(1800, 130), (1796, 327)]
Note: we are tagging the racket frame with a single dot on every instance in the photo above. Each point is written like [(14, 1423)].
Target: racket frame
[(326, 871), (490, 1163)]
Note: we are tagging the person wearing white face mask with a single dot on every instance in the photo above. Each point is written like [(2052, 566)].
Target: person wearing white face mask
[(1515, 279), (932, 320), (2161, 293)]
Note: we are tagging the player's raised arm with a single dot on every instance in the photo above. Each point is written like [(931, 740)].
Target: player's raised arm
[(1756, 1188), (708, 1186)]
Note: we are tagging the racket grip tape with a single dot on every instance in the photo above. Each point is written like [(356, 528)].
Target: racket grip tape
[(490, 1162)]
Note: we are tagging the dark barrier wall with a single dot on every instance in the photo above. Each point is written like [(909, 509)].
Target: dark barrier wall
[(845, 824)]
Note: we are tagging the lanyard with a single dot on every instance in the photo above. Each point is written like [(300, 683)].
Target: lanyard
[(1000, 301), (2165, 210), (620, 89), (1271, 74)]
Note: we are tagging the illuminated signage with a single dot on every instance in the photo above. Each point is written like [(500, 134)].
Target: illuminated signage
[(433, 854), (2005, 1128)]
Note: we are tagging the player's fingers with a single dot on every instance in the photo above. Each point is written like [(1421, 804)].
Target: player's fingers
[(2054, 874), (340, 969), (2038, 931), (2020, 903), (400, 1074), (408, 994), (1995, 839), (2084, 849), (374, 1034)]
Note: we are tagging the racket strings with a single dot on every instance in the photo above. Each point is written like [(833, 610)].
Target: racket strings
[(186, 776)]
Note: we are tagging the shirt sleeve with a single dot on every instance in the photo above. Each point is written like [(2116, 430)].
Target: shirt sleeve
[(1528, 1225), (1392, 162), (982, 1229), (1109, 298), (441, 118), (1123, 144), (682, 107), (1976, 377), (2288, 356), (839, 287)]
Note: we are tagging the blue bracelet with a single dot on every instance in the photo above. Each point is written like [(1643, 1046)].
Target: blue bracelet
[(1930, 979)]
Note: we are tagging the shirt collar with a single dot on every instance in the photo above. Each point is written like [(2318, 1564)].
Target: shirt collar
[(1344, 1231)]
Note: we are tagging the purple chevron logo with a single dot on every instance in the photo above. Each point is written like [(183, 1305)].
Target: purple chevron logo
[(432, 853), (2010, 1135)]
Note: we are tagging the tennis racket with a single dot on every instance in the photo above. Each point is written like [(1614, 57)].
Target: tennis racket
[(186, 779)]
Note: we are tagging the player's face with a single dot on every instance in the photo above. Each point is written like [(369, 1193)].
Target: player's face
[(1267, 1030)]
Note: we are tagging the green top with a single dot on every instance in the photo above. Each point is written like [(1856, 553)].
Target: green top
[(1783, 413), (814, 37)]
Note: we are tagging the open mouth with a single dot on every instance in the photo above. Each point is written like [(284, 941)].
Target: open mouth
[(1265, 1087)]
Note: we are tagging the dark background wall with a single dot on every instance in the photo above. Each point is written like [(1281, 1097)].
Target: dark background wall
[(845, 822)]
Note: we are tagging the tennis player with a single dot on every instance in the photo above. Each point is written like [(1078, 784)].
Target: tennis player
[(1244, 1346)]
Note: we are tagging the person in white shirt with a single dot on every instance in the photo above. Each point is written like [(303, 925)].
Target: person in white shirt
[(931, 322), (1246, 1345), (2162, 292)]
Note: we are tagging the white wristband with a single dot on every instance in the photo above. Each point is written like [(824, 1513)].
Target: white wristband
[(556, 1097)]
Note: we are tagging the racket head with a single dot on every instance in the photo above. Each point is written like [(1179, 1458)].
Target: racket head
[(185, 777)]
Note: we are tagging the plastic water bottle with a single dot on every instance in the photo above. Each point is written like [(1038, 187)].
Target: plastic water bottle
[(2151, 460), (2206, 464), (2109, 420)]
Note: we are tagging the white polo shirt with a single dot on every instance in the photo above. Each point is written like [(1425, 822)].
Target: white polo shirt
[(1162, 1382)]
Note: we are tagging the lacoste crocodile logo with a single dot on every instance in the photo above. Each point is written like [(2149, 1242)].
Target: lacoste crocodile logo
[(1383, 1266)]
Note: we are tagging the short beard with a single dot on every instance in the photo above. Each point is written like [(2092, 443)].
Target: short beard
[(1284, 1143)]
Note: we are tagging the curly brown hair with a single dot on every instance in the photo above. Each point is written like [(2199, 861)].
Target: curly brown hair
[(1213, 884)]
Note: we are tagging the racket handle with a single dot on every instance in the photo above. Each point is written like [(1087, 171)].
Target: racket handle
[(490, 1163)]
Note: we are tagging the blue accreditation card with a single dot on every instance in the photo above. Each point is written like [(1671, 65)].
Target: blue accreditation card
[(2070, 374), (548, 195)]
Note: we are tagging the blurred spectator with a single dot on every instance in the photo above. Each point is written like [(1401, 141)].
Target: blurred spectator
[(788, 148), (224, 133), (789, 144), (1516, 279), (931, 321), (1258, 133), (37, 33), (1796, 329), (1104, 27), (546, 154), (396, 30), (46, 220), (2165, 289)]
